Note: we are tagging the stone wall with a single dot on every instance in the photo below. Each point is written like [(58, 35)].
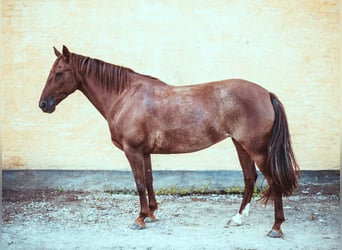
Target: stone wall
[(290, 47)]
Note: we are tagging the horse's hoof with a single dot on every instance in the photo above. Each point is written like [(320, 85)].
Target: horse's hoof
[(232, 223), (150, 220), (137, 226), (275, 234), (236, 220)]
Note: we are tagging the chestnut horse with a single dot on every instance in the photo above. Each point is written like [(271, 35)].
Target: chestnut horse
[(147, 116)]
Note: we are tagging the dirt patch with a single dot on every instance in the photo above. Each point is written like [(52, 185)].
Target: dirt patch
[(58, 219)]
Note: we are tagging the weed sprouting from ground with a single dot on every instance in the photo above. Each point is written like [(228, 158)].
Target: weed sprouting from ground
[(185, 191)]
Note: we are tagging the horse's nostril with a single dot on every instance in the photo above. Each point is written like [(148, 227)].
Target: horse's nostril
[(42, 104), (47, 105)]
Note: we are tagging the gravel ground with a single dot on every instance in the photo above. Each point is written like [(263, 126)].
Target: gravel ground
[(52, 219)]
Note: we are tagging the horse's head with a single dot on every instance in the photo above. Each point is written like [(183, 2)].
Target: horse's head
[(61, 82)]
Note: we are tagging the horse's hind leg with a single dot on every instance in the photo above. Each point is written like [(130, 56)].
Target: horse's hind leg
[(250, 175), (272, 194), (153, 206), (279, 217)]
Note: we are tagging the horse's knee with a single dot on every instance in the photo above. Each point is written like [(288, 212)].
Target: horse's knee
[(141, 188)]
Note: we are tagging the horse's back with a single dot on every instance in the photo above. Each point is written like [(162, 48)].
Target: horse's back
[(193, 117)]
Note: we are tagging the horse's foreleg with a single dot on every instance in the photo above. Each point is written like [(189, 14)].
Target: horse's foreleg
[(250, 176), (136, 160), (153, 206)]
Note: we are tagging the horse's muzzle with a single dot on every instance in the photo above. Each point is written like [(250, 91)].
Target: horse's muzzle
[(48, 105)]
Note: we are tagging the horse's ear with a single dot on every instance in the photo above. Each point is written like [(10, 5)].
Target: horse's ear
[(66, 53), (57, 53)]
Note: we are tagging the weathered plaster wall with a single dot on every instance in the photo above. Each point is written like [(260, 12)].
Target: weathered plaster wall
[(289, 47)]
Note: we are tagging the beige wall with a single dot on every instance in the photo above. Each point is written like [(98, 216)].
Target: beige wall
[(289, 47)]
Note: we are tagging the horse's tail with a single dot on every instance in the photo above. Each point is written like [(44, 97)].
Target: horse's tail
[(281, 166)]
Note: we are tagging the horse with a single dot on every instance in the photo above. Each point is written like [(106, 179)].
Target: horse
[(147, 116)]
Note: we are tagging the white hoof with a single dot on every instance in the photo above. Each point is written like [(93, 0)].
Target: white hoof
[(238, 219)]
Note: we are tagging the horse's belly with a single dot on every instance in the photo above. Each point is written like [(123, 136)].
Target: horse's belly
[(183, 141)]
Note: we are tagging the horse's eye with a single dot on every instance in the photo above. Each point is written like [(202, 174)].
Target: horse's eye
[(59, 75)]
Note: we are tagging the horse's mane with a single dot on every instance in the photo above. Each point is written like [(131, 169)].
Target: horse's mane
[(108, 76)]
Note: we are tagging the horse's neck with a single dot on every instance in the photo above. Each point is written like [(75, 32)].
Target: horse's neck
[(104, 100), (101, 98)]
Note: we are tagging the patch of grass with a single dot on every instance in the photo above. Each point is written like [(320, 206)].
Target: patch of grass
[(258, 192), (181, 191), (109, 190), (234, 190), (60, 189), (174, 190), (170, 191)]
